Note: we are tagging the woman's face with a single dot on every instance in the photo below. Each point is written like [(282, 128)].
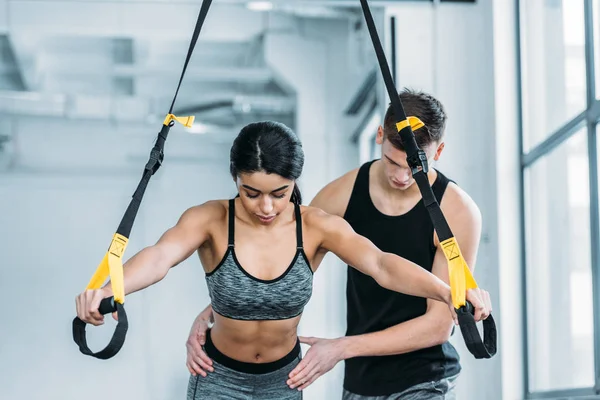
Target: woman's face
[(264, 196)]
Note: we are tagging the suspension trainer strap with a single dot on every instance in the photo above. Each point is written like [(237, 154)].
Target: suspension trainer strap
[(461, 278), (112, 263)]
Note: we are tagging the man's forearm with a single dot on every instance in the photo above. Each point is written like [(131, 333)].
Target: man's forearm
[(416, 334)]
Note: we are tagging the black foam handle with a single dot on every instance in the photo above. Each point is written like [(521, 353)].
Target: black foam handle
[(485, 348), (107, 306)]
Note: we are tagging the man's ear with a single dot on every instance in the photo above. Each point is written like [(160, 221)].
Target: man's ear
[(379, 138)]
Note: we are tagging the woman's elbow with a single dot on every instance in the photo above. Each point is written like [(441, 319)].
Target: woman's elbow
[(381, 274), (160, 261)]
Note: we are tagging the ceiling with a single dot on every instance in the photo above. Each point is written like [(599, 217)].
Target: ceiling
[(121, 59)]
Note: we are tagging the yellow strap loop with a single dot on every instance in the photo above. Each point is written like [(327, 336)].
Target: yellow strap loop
[(461, 278), (414, 122), (185, 121), (112, 264)]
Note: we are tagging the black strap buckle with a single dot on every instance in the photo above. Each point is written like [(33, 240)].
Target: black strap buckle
[(417, 160), (156, 159)]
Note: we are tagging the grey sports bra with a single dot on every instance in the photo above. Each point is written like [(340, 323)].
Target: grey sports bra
[(236, 294)]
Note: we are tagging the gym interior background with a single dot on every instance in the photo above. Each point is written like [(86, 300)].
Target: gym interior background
[(84, 86)]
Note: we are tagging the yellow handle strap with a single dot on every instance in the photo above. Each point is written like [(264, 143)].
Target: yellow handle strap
[(461, 278), (185, 121), (414, 122), (112, 264)]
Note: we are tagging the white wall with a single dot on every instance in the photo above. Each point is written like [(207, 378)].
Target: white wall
[(64, 203)]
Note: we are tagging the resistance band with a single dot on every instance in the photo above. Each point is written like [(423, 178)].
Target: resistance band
[(112, 263), (461, 278)]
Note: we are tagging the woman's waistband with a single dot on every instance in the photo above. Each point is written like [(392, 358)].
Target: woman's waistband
[(246, 367)]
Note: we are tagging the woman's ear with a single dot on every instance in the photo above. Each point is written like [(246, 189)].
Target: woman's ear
[(438, 151)]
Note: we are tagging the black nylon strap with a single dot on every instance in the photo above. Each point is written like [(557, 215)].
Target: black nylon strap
[(479, 349), (231, 232), (435, 212), (126, 224), (298, 214), (157, 152), (201, 17), (118, 339), (418, 162)]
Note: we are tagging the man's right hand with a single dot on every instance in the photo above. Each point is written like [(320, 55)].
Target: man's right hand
[(197, 360)]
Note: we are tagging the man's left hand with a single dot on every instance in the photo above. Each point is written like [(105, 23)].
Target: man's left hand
[(322, 356)]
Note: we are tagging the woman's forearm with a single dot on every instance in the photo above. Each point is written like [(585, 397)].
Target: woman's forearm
[(401, 275), (142, 270)]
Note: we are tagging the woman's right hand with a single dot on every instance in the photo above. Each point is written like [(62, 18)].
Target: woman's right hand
[(198, 361), (87, 304)]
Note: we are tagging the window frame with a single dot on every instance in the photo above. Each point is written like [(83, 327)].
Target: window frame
[(591, 118)]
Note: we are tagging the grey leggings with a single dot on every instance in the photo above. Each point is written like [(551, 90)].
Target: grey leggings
[(232, 379), (443, 389)]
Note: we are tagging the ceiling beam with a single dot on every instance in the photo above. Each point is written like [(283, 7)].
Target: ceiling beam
[(350, 3), (164, 20), (195, 74)]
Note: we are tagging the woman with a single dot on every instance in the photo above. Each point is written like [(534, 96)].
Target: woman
[(259, 252)]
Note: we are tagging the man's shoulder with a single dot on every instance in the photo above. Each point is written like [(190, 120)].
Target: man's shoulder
[(458, 203), (345, 181), (334, 197)]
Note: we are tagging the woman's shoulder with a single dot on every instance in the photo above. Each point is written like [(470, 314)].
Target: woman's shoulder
[(314, 216), (212, 210), (322, 226)]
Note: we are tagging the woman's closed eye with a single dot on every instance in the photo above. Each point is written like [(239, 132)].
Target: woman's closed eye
[(254, 196)]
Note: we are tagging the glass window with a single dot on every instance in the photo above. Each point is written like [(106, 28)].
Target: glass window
[(596, 19), (553, 66), (558, 261)]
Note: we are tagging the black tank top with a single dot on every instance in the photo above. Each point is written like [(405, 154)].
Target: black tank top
[(373, 308)]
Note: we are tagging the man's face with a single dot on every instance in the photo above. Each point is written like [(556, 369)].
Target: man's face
[(395, 166)]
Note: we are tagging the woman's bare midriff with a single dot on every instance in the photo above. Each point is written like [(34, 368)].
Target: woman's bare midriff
[(254, 341)]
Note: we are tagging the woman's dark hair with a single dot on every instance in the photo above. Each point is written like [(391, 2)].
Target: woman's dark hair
[(271, 147)]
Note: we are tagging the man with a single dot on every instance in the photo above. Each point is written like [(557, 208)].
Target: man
[(396, 346)]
